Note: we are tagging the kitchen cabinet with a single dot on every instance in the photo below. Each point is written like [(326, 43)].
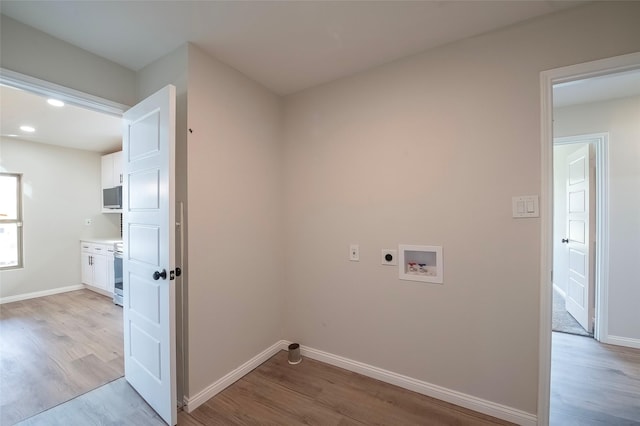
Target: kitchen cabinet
[(112, 170), (111, 177), (95, 266)]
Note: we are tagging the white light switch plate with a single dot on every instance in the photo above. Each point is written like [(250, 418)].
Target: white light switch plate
[(354, 253), (525, 206)]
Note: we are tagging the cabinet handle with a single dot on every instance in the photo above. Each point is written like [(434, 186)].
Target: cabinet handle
[(120, 177), (89, 260)]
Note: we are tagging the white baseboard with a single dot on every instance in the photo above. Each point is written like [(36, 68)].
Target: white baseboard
[(458, 398), (98, 290), (33, 295), (622, 341), (191, 403), (463, 400), (561, 291)]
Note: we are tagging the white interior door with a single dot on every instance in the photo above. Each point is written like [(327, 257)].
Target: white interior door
[(149, 247), (579, 300)]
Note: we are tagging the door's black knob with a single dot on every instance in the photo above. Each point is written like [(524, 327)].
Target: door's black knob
[(157, 275), (565, 240)]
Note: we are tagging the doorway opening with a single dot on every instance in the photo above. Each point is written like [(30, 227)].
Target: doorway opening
[(62, 334), (550, 127), (88, 102)]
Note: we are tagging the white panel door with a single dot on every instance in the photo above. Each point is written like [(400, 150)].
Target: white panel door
[(580, 233), (148, 261)]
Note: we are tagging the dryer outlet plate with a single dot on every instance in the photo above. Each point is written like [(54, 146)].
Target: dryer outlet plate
[(389, 257)]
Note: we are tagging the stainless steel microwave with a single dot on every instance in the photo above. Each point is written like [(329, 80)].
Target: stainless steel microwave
[(112, 198)]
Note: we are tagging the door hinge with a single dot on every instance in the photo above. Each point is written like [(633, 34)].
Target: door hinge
[(176, 273)]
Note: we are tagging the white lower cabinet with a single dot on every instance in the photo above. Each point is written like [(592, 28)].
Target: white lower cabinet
[(95, 265), (87, 268)]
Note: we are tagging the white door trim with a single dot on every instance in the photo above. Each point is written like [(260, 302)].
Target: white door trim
[(66, 94), (601, 144), (547, 80)]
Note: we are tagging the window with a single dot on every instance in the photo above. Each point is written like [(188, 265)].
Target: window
[(10, 220)]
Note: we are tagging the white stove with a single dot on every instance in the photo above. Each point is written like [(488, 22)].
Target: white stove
[(118, 295)]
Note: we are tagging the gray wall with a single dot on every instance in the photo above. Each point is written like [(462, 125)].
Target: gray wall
[(429, 150), (235, 201), (36, 54)]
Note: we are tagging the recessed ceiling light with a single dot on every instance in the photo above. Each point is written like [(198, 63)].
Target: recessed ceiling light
[(55, 102), (28, 129)]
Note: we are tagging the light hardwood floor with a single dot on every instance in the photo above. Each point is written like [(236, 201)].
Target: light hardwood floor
[(275, 393), (593, 383), (54, 348), (314, 393), (58, 347), (113, 404)]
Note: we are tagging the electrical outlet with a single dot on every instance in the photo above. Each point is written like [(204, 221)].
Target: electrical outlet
[(354, 253), (88, 222), (389, 257)]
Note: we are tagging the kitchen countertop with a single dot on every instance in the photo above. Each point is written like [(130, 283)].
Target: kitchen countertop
[(102, 240)]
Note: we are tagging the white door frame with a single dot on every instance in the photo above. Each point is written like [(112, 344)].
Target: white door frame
[(547, 80), (601, 143), (65, 94)]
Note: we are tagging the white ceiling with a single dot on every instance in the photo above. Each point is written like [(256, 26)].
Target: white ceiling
[(285, 45), (68, 126), (612, 86)]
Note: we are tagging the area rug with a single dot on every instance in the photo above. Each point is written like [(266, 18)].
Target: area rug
[(562, 320)]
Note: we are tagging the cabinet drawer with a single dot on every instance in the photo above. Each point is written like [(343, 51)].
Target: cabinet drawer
[(95, 248), (100, 249)]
